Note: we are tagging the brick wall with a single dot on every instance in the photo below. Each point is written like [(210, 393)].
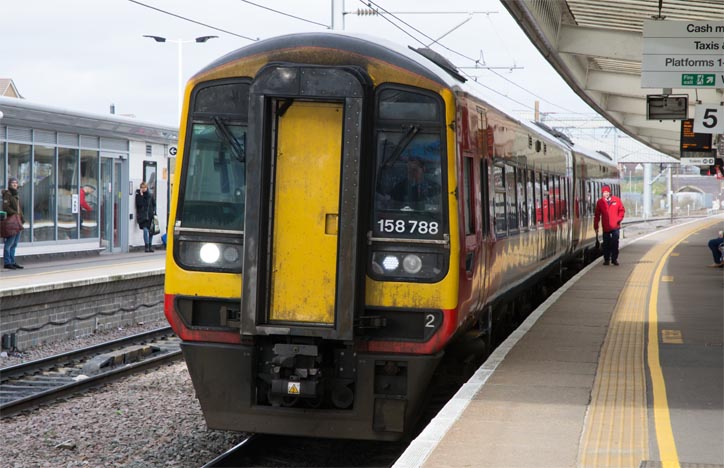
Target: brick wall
[(76, 309)]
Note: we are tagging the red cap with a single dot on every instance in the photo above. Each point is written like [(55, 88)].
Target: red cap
[(606, 188)]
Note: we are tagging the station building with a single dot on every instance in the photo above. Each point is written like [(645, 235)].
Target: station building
[(56, 153)]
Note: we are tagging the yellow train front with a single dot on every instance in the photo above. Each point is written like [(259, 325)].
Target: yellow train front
[(343, 210), (308, 302)]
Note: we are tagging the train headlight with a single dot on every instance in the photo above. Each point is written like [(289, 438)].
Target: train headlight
[(407, 266), (209, 253), (390, 263), (412, 263)]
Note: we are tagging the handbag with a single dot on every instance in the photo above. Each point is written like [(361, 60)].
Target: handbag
[(10, 226), (155, 228)]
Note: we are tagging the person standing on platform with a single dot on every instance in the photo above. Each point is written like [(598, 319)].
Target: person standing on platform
[(85, 208), (145, 211), (12, 225), (715, 246), (609, 214)]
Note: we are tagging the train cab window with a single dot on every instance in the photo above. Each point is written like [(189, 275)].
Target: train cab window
[(511, 198), (500, 219), (397, 104), (229, 98), (213, 181), (409, 170)]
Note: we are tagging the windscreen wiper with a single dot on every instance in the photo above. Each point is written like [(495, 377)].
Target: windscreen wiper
[(401, 145), (238, 150)]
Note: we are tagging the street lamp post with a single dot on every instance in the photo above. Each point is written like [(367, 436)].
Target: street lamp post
[(180, 43)]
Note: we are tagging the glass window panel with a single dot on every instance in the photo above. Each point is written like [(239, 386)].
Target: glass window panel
[(2, 163), (44, 194), (19, 167), (501, 224), (67, 188), (531, 198), (223, 99), (510, 187), (214, 182), (522, 201), (397, 104), (408, 185), (89, 219), (467, 189)]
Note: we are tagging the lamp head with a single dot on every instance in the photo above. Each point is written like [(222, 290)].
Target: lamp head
[(156, 38), (205, 38)]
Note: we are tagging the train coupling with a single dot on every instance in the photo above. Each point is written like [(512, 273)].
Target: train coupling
[(294, 371)]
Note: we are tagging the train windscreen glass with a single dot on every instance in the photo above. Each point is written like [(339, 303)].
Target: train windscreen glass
[(408, 201), (214, 182)]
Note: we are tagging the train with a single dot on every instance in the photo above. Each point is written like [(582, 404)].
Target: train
[(345, 209)]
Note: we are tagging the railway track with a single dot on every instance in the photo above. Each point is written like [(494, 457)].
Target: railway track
[(28, 385)]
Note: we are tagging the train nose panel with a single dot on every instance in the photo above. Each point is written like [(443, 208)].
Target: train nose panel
[(304, 248)]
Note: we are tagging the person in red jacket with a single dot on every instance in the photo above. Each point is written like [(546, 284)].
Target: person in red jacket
[(609, 213)]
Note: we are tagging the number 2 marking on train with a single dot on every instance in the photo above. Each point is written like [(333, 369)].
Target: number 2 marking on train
[(430, 321)]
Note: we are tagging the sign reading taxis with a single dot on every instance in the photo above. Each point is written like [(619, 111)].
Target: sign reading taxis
[(683, 54)]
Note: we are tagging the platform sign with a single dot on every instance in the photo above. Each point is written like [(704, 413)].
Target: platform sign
[(683, 54), (709, 118), (695, 144), (697, 161)]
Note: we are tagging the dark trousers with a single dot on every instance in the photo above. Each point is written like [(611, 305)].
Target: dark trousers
[(610, 245), (714, 246)]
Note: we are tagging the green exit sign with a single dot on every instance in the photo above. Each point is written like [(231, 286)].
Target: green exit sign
[(698, 79)]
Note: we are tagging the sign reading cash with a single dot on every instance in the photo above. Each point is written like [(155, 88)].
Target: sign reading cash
[(683, 54)]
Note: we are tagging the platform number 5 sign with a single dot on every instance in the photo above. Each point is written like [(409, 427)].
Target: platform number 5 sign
[(709, 118)]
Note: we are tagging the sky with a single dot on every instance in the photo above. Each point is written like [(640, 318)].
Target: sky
[(85, 55)]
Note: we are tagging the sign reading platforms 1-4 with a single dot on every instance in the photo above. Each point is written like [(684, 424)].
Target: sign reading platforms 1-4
[(683, 54)]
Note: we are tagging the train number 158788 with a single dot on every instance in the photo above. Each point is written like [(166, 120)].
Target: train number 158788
[(409, 226)]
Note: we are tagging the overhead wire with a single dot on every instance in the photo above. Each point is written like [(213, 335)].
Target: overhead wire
[(373, 4), (193, 21), (286, 14)]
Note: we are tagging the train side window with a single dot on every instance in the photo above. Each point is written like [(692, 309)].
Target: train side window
[(512, 203), (484, 198), (540, 206), (530, 191), (563, 199), (547, 208), (499, 218), (468, 196), (522, 198)]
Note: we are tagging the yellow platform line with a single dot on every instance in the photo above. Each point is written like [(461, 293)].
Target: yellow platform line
[(615, 432)]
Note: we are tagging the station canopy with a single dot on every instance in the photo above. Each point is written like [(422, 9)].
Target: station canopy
[(596, 46)]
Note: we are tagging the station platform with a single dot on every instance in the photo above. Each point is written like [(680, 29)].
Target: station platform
[(58, 299), (48, 273), (622, 367)]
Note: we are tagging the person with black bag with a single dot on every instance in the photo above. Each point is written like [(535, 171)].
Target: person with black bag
[(12, 225), (145, 212)]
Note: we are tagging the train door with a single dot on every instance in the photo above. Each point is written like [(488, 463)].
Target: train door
[(303, 238), (306, 213)]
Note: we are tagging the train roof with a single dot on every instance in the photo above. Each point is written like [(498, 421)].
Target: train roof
[(426, 63)]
